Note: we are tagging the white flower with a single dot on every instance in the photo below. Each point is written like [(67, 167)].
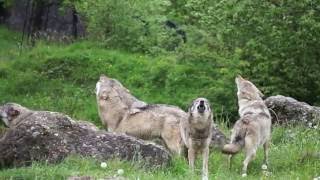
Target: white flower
[(264, 167), (103, 165), (120, 171)]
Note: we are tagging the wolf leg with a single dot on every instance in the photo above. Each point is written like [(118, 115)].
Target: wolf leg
[(250, 154), (173, 142), (205, 162), (266, 155), (191, 157)]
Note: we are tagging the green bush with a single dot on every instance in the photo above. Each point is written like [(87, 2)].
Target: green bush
[(277, 39), (136, 26)]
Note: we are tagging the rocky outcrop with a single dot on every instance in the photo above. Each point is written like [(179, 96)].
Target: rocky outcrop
[(44, 18), (51, 136), (289, 110)]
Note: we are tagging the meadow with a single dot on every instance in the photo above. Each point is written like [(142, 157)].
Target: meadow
[(62, 77)]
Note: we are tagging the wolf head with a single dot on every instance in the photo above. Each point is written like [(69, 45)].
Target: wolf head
[(111, 94), (107, 87), (200, 107), (10, 111), (247, 90)]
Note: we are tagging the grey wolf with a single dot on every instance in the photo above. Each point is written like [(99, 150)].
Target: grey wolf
[(121, 112), (253, 129), (197, 132), (12, 114)]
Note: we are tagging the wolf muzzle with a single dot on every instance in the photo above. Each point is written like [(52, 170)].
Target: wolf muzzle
[(201, 107)]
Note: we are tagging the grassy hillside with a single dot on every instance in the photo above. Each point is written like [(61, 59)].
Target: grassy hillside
[(62, 78)]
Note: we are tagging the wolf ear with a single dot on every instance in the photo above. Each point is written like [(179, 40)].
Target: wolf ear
[(13, 112), (190, 106)]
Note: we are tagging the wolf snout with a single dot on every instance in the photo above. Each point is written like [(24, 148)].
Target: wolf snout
[(201, 108)]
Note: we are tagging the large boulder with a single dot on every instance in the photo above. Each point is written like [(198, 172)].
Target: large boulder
[(46, 18), (51, 136), (288, 110)]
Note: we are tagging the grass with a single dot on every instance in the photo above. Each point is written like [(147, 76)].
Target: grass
[(36, 76), (286, 153), (62, 78)]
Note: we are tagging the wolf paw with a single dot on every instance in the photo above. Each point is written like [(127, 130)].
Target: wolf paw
[(244, 175)]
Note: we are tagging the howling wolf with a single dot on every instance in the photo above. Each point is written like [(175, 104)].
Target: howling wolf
[(198, 132), (254, 126), (122, 112)]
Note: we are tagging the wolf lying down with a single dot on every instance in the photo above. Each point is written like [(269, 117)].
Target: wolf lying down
[(121, 112)]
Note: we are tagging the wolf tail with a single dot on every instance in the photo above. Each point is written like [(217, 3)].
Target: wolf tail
[(231, 148), (237, 138)]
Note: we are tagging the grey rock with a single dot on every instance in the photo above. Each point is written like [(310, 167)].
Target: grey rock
[(286, 110), (45, 18), (51, 137)]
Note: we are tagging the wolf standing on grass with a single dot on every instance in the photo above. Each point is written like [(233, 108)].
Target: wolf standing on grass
[(253, 129), (198, 132)]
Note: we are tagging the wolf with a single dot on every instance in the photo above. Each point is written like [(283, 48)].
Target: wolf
[(12, 114), (253, 129), (121, 112), (197, 132)]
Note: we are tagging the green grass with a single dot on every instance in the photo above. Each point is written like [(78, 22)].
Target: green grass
[(286, 152), (62, 78), (37, 76), (9, 43)]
